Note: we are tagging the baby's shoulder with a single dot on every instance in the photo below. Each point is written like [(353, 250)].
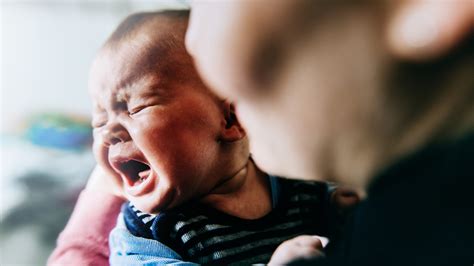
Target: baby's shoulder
[(293, 187)]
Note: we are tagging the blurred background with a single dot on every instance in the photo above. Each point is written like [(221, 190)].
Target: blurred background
[(45, 135)]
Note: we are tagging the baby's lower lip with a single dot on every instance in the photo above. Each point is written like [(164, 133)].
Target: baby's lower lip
[(143, 185)]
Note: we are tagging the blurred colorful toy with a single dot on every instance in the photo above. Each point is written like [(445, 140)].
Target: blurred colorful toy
[(59, 131)]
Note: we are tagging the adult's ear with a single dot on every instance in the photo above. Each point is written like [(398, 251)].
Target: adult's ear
[(425, 29), (231, 129)]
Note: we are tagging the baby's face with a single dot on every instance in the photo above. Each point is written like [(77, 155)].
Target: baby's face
[(156, 131)]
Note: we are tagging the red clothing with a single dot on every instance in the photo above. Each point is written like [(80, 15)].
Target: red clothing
[(84, 241)]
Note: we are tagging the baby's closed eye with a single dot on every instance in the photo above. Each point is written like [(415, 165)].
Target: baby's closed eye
[(139, 108)]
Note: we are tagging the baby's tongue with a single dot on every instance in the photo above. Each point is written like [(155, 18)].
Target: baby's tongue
[(144, 174)]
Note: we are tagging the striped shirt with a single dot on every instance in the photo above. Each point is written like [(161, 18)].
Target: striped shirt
[(204, 235)]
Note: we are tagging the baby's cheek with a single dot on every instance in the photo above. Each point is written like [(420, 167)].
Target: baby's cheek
[(101, 153), (97, 147)]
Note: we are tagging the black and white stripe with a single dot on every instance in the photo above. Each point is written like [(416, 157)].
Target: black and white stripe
[(206, 236), (146, 218)]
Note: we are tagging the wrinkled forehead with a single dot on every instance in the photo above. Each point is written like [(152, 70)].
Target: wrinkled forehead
[(139, 64)]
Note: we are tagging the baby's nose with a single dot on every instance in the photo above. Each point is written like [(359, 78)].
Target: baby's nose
[(115, 133)]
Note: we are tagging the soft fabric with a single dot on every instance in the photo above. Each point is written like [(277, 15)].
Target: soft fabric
[(84, 240), (127, 249), (203, 235)]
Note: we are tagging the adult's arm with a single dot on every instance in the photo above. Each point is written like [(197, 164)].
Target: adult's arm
[(84, 240)]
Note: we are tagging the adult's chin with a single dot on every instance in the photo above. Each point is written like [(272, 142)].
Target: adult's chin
[(268, 162), (285, 163)]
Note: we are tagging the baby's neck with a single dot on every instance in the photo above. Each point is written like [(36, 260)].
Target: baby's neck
[(245, 195)]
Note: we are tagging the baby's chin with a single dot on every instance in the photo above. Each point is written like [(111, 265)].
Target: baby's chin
[(155, 201)]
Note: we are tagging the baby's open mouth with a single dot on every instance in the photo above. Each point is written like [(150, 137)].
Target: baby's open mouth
[(135, 172)]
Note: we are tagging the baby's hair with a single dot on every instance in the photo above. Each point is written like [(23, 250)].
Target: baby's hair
[(148, 22), (157, 40)]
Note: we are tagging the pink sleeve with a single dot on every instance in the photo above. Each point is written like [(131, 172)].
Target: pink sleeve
[(84, 241)]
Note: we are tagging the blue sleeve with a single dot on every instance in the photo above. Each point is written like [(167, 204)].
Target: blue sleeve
[(127, 249)]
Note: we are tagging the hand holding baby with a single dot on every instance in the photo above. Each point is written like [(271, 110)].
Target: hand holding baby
[(305, 247), (103, 182)]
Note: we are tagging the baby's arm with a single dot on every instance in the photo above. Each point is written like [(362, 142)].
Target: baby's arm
[(84, 241)]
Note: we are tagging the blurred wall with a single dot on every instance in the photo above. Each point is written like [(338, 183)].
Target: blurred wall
[(47, 48)]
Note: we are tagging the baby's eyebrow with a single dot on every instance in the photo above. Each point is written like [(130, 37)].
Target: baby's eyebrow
[(122, 95), (125, 88), (148, 85)]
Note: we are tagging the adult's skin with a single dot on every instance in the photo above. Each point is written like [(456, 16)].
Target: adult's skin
[(376, 95), (291, 67)]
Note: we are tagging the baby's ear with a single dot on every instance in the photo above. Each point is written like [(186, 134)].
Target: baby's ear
[(231, 129)]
